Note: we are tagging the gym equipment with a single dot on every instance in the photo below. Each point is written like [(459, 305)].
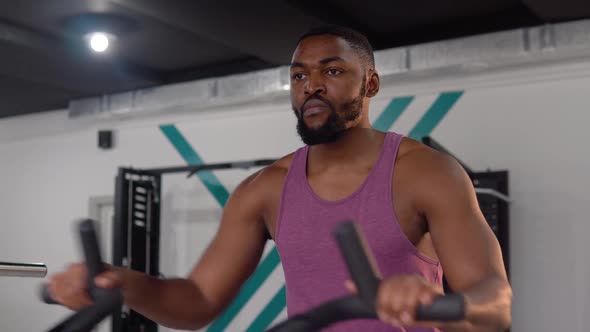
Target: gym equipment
[(25, 270), (449, 307), (136, 226), (358, 260), (105, 300)]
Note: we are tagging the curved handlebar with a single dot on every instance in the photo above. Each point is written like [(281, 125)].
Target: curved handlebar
[(105, 300), (364, 273), (355, 253), (351, 307)]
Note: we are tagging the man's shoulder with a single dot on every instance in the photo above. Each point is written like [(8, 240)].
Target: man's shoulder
[(269, 178), (419, 161), (425, 175)]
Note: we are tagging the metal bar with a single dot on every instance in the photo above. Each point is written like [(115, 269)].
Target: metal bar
[(494, 193), (198, 168), (154, 227), (31, 270), (236, 164), (120, 238)]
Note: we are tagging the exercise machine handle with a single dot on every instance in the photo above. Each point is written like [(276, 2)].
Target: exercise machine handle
[(106, 301)]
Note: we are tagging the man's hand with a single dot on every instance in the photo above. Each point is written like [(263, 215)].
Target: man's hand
[(399, 297), (70, 287)]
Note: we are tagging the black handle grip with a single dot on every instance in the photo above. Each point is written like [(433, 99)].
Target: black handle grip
[(85, 319), (91, 249), (106, 301), (359, 261), (293, 325), (324, 315), (364, 272), (46, 295), (450, 307), (366, 276), (94, 263)]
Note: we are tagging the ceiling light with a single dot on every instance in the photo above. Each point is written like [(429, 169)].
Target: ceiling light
[(99, 42)]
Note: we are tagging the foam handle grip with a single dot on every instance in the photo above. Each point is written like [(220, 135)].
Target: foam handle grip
[(94, 264), (85, 319), (358, 260), (447, 308), (89, 241), (46, 296)]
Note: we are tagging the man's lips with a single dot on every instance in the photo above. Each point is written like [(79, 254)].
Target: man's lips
[(313, 107)]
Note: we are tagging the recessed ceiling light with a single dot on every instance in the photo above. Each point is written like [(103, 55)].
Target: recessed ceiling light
[(99, 41)]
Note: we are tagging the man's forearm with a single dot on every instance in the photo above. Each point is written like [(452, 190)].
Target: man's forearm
[(488, 306), (174, 303)]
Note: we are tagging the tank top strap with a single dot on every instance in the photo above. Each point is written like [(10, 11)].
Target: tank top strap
[(382, 172)]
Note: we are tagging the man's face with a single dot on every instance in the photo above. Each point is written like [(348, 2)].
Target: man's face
[(327, 88)]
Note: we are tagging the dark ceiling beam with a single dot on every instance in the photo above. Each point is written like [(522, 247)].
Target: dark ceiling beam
[(59, 50), (506, 18), (92, 64), (247, 27), (23, 97), (331, 14), (37, 83), (14, 34), (27, 38), (514, 17), (562, 10), (232, 67), (126, 69)]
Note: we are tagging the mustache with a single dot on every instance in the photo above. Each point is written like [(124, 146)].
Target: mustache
[(299, 111)]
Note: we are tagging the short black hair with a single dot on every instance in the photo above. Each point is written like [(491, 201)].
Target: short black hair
[(356, 40)]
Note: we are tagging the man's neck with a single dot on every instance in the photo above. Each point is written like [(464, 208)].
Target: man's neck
[(357, 144)]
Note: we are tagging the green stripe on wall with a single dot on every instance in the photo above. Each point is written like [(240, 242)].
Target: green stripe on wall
[(435, 114), (269, 313), (216, 188), (262, 273), (191, 157), (392, 112)]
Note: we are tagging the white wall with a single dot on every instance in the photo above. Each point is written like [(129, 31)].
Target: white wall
[(531, 121)]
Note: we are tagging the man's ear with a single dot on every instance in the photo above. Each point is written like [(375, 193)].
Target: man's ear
[(373, 83)]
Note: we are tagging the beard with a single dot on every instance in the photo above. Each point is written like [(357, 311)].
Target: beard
[(335, 126)]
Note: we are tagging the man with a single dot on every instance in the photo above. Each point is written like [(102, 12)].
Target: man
[(416, 208)]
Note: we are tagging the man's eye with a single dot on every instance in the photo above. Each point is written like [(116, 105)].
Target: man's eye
[(298, 76), (334, 71)]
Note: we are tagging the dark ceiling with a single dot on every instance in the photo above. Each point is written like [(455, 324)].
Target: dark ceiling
[(44, 62)]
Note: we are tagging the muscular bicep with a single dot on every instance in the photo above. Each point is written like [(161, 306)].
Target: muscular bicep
[(235, 250), (465, 244)]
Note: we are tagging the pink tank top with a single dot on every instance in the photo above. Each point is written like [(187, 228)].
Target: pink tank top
[(313, 267)]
